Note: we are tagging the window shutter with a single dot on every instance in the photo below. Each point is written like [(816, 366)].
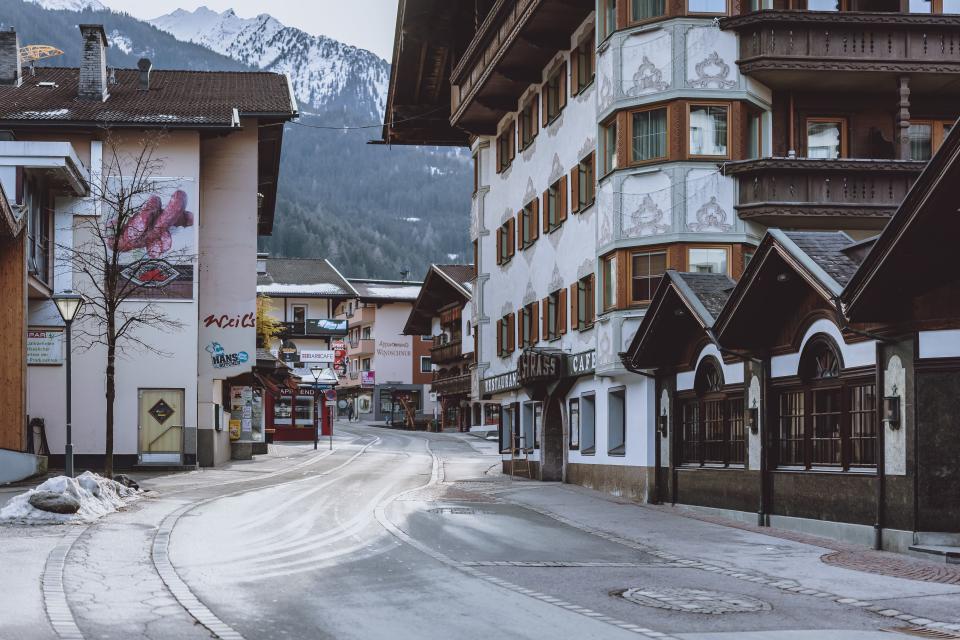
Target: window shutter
[(563, 86), (518, 227), (575, 188), (511, 237), (593, 173), (574, 305), (562, 201), (546, 211), (499, 336), (591, 299), (535, 225), (511, 324), (499, 246), (562, 311), (545, 319), (543, 104), (575, 69), (535, 322)]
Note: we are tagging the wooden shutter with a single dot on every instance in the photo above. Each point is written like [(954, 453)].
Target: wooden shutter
[(591, 299), (575, 69), (511, 237), (562, 98), (535, 223), (499, 336), (511, 323), (533, 120), (562, 201), (562, 311), (575, 188), (544, 116), (545, 319), (546, 211), (575, 305), (499, 246), (535, 322), (518, 230)]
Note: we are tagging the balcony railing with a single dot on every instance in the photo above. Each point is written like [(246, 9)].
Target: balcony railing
[(455, 385), (449, 352), (809, 192), (360, 346), (844, 41)]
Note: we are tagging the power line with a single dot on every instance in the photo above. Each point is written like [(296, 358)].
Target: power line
[(422, 116)]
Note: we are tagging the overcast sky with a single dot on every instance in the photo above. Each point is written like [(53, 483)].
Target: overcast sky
[(364, 23)]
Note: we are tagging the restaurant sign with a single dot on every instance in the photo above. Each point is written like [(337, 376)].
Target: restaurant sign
[(497, 384), (583, 363), (307, 355), (45, 346), (535, 366)]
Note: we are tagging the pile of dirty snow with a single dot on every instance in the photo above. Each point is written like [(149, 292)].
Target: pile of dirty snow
[(92, 496)]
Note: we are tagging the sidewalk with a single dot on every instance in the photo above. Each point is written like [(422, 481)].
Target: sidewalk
[(750, 553)]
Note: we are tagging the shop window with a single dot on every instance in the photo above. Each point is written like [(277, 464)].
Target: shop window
[(506, 241), (506, 148), (609, 276), (528, 122), (826, 422), (582, 313), (648, 134), (607, 18), (574, 419), (506, 422), (554, 94), (826, 138), (555, 315), (617, 422), (701, 260), (709, 134), (641, 10), (530, 424), (608, 145), (588, 421), (529, 223), (426, 366), (646, 272), (711, 421), (707, 6), (583, 66), (583, 184), (555, 205)]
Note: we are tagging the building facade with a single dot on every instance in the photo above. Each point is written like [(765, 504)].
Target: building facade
[(619, 147), (189, 250)]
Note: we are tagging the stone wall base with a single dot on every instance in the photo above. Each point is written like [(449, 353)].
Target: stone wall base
[(622, 481)]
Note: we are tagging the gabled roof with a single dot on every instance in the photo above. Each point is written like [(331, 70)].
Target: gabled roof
[(823, 260), (684, 302), (303, 278), (176, 99), (369, 290), (913, 255), (444, 284)]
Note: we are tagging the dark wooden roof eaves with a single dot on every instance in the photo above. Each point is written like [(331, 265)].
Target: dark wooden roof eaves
[(828, 249), (462, 274), (305, 271), (934, 177), (175, 99)]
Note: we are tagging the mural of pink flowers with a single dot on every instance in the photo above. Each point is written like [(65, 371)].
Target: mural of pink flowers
[(150, 228)]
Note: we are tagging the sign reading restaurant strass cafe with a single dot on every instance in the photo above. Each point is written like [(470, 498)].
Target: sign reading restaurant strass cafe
[(539, 366)]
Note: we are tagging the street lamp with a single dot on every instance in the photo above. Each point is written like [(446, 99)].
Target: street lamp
[(68, 304), (315, 371)]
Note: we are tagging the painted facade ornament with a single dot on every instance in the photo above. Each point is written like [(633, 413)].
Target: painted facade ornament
[(506, 309), (648, 77), (711, 217), (556, 170), (712, 73), (556, 280), (606, 92), (530, 295), (647, 219), (606, 232)]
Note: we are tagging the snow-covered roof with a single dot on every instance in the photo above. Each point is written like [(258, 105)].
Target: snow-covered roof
[(303, 277), (393, 290)]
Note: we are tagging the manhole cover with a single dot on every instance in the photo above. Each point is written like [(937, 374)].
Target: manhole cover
[(458, 511), (693, 600)]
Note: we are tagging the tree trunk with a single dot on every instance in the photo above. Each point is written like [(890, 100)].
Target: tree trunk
[(111, 396)]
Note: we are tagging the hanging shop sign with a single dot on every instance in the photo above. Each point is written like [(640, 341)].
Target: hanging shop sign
[(583, 363), (45, 346), (498, 384), (317, 356), (535, 366), (368, 378), (223, 360)]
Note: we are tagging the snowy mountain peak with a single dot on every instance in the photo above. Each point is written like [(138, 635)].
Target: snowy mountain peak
[(323, 71), (71, 5)]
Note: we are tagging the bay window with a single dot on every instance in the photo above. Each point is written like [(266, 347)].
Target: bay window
[(609, 275), (641, 10), (709, 134), (608, 145), (646, 271), (648, 135), (706, 6), (707, 260)]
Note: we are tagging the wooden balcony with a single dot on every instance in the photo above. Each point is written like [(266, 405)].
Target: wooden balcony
[(447, 353), (847, 50), (508, 54), (360, 347), (455, 385), (818, 193)]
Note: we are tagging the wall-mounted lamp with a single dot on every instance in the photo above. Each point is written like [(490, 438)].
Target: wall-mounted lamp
[(662, 423), (753, 417), (891, 411), (783, 277)]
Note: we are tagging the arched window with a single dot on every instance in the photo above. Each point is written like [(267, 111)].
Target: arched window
[(828, 419), (711, 420)]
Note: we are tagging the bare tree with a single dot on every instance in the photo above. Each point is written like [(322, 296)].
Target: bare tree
[(123, 260)]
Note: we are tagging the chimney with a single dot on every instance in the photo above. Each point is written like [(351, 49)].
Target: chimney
[(93, 63), (10, 68), (145, 66)]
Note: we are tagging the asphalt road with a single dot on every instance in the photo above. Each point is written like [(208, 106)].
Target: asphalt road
[(393, 535)]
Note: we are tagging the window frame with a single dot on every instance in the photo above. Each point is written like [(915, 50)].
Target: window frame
[(609, 159), (937, 128), (844, 134), (607, 19), (529, 224), (429, 368), (620, 448), (633, 276), (632, 160), (528, 119), (711, 392), (686, 6), (725, 248), (506, 139), (634, 20), (608, 277), (583, 299), (506, 242), (553, 93), (573, 444), (586, 172), (585, 49), (728, 107)]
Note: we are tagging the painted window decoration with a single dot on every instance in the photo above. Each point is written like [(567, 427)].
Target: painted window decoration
[(649, 135), (712, 428), (708, 130), (157, 244), (827, 421)]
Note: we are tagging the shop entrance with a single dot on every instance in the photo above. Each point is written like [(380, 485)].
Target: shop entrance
[(161, 425)]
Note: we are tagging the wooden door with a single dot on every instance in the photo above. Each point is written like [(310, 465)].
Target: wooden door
[(161, 425)]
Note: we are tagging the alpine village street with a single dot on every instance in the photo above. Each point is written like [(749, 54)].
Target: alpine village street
[(475, 319)]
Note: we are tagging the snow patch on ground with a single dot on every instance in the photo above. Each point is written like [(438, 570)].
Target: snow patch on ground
[(97, 496), (120, 41)]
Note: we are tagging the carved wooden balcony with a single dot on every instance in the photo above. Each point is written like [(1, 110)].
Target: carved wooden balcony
[(792, 49), (815, 193), (447, 353), (453, 385)]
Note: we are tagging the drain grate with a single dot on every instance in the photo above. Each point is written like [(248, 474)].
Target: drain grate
[(924, 632), (459, 511)]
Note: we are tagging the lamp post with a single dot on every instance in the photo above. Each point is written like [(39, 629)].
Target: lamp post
[(68, 304), (315, 372)]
